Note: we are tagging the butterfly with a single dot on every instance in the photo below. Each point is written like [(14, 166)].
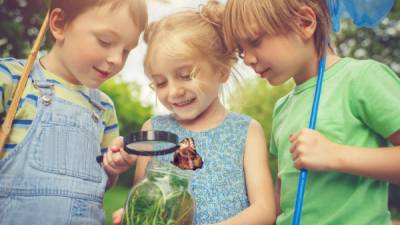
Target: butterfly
[(186, 156)]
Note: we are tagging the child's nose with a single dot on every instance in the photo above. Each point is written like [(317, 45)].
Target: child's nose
[(116, 59), (249, 58), (176, 90)]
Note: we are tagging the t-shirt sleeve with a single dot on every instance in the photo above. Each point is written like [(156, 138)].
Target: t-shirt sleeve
[(111, 129), (376, 98), (6, 83), (271, 143)]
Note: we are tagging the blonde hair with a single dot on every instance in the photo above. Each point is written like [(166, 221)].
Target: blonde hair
[(274, 17), (190, 34), (71, 10)]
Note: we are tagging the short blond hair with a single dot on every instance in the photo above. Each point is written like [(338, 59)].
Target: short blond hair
[(274, 17), (71, 9), (190, 34)]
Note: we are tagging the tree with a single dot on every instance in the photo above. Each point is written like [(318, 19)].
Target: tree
[(130, 110), (20, 21), (381, 43)]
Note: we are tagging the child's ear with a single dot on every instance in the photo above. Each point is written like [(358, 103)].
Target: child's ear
[(57, 24), (307, 22)]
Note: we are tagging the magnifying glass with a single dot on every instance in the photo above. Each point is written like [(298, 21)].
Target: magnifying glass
[(149, 143)]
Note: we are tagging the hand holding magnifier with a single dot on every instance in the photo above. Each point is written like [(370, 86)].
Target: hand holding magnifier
[(155, 142)]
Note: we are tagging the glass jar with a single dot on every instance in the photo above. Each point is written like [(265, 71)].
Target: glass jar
[(161, 198)]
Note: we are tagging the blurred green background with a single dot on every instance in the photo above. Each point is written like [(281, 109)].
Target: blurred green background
[(20, 20)]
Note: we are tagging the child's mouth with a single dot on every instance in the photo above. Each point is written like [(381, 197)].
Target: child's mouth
[(101, 72), (264, 74), (184, 103)]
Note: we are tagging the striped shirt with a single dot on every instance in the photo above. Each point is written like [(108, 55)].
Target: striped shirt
[(10, 74)]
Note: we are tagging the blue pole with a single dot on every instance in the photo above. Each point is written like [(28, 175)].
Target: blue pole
[(313, 120)]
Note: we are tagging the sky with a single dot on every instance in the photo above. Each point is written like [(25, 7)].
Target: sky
[(133, 69)]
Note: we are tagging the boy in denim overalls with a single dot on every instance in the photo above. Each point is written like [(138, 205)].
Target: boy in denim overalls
[(49, 174)]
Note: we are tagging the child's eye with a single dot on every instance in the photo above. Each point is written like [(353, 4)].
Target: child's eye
[(103, 42), (256, 41), (186, 76), (158, 84)]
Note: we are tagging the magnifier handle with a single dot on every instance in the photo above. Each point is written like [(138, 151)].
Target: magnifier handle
[(99, 158)]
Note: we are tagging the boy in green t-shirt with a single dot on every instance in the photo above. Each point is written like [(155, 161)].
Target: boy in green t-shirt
[(355, 150)]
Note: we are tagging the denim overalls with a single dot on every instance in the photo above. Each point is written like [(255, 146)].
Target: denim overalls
[(52, 176)]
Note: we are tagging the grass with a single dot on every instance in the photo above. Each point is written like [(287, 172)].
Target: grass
[(113, 200)]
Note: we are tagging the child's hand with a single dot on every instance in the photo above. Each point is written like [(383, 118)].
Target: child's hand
[(117, 216), (311, 150), (116, 160)]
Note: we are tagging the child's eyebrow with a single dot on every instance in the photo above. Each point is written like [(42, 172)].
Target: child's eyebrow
[(257, 35), (152, 76), (184, 67), (107, 31)]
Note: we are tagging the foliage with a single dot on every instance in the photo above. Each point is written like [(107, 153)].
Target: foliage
[(20, 21), (114, 199), (130, 110), (381, 43), (258, 100)]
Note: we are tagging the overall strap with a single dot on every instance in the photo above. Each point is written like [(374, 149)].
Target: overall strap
[(40, 82), (45, 89), (95, 100)]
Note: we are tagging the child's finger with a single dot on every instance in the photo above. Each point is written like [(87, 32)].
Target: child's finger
[(293, 137), (110, 170), (117, 144), (295, 155), (129, 158), (117, 216), (115, 148), (293, 147), (116, 160)]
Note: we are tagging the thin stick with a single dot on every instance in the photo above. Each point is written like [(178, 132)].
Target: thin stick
[(7, 124), (313, 121)]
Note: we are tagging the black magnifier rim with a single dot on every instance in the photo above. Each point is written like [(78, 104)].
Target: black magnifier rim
[(152, 135)]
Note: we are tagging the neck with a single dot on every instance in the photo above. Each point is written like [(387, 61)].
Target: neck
[(311, 67), (53, 63), (208, 119)]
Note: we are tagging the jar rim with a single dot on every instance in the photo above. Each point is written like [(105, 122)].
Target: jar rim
[(167, 168)]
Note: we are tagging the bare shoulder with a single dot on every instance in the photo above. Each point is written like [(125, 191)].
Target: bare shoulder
[(255, 137), (255, 128)]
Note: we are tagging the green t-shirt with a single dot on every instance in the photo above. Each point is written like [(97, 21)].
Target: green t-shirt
[(359, 106)]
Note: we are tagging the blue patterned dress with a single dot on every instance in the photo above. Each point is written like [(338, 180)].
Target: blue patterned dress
[(218, 188)]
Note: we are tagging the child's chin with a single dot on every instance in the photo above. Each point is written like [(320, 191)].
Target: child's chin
[(93, 85), (275, 82), (185, 117)]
